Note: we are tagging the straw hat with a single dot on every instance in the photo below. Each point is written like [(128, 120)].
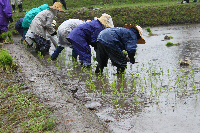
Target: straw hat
[(141, 40), (57, 6), (106, 20), (88, 20)]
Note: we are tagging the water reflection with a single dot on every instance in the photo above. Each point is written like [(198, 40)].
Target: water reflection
[(154, 95)]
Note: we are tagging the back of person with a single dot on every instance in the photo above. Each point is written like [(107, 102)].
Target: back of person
[(5, 14), (29, 16)]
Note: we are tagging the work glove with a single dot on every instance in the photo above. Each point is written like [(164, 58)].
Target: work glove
[(131, 57), (10, 19), (56, 52), (55, 33)]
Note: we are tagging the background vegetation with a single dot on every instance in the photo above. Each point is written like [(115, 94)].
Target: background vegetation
[(141, 12), (21, 110)]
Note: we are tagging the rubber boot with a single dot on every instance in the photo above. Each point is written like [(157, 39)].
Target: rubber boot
[(20, 8), (99, 69), (64, 4), (1, 39), (74, 54), (13, 7), (56, 52), (120, 70), (43, 50)]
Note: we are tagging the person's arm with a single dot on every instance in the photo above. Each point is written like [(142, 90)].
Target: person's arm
[(49, 27)]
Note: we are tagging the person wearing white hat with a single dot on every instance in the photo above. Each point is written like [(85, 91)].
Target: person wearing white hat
[(42, 23), (112, 41), (86, 34), (63, 30)]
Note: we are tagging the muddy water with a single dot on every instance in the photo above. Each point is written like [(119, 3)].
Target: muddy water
[(154, 95)]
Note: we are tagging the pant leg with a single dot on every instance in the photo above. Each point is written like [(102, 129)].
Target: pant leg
[(117, 58), (42, 44), (84, 51), (64, 4), (74, 54), (54, 1), (101, 56)]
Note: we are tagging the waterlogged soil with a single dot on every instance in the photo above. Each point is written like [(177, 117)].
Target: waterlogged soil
[(156, 94), (70, 114)]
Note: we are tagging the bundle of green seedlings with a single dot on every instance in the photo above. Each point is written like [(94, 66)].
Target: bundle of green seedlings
[(7, 37), (172, 44), (6, 60), (149, 30)]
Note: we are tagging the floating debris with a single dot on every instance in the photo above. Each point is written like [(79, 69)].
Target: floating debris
[(167, 37), (172, 44), (185, 62)]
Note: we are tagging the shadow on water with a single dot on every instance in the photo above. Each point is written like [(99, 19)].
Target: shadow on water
[(154, 95)]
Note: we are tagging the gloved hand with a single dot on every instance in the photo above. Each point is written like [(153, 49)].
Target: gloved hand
[(131, 57), (54, 33), (10, 19), (56, 52)]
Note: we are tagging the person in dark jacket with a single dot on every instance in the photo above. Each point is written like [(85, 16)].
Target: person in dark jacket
[(19, 28), (84, 35), (112, 41), (5, 16)]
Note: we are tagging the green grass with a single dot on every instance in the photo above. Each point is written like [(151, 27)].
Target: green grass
[(142, 12), (6, 60), (20, 110), (23, 110)]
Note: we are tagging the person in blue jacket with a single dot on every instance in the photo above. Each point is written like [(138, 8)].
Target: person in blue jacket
[(22, 24), (18, 27), (84, 35), (112, 41)]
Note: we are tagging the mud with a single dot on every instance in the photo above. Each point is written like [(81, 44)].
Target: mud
[(154, 95), (70, 114)]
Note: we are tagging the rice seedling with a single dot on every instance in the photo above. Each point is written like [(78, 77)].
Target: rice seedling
[(171, 44), (136, 99), (149, 30)]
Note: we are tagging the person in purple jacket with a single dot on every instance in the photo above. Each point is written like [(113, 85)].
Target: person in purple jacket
[(84, 35), (5, 16)]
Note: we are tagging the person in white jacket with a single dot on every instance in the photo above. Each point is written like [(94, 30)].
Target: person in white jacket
[(30, 38), (63, 30), (42, 23)]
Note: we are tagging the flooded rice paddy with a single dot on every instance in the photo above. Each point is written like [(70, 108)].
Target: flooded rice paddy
[(155, 94)]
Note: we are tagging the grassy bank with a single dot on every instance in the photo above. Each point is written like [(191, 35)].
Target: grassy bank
[(20, 111), (143, 12), (146, 15)]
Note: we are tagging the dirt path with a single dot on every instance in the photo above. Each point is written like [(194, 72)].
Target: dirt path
[(71, 115)]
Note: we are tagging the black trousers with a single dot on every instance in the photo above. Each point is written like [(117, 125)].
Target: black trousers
[(63, 2), (103, 53)]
